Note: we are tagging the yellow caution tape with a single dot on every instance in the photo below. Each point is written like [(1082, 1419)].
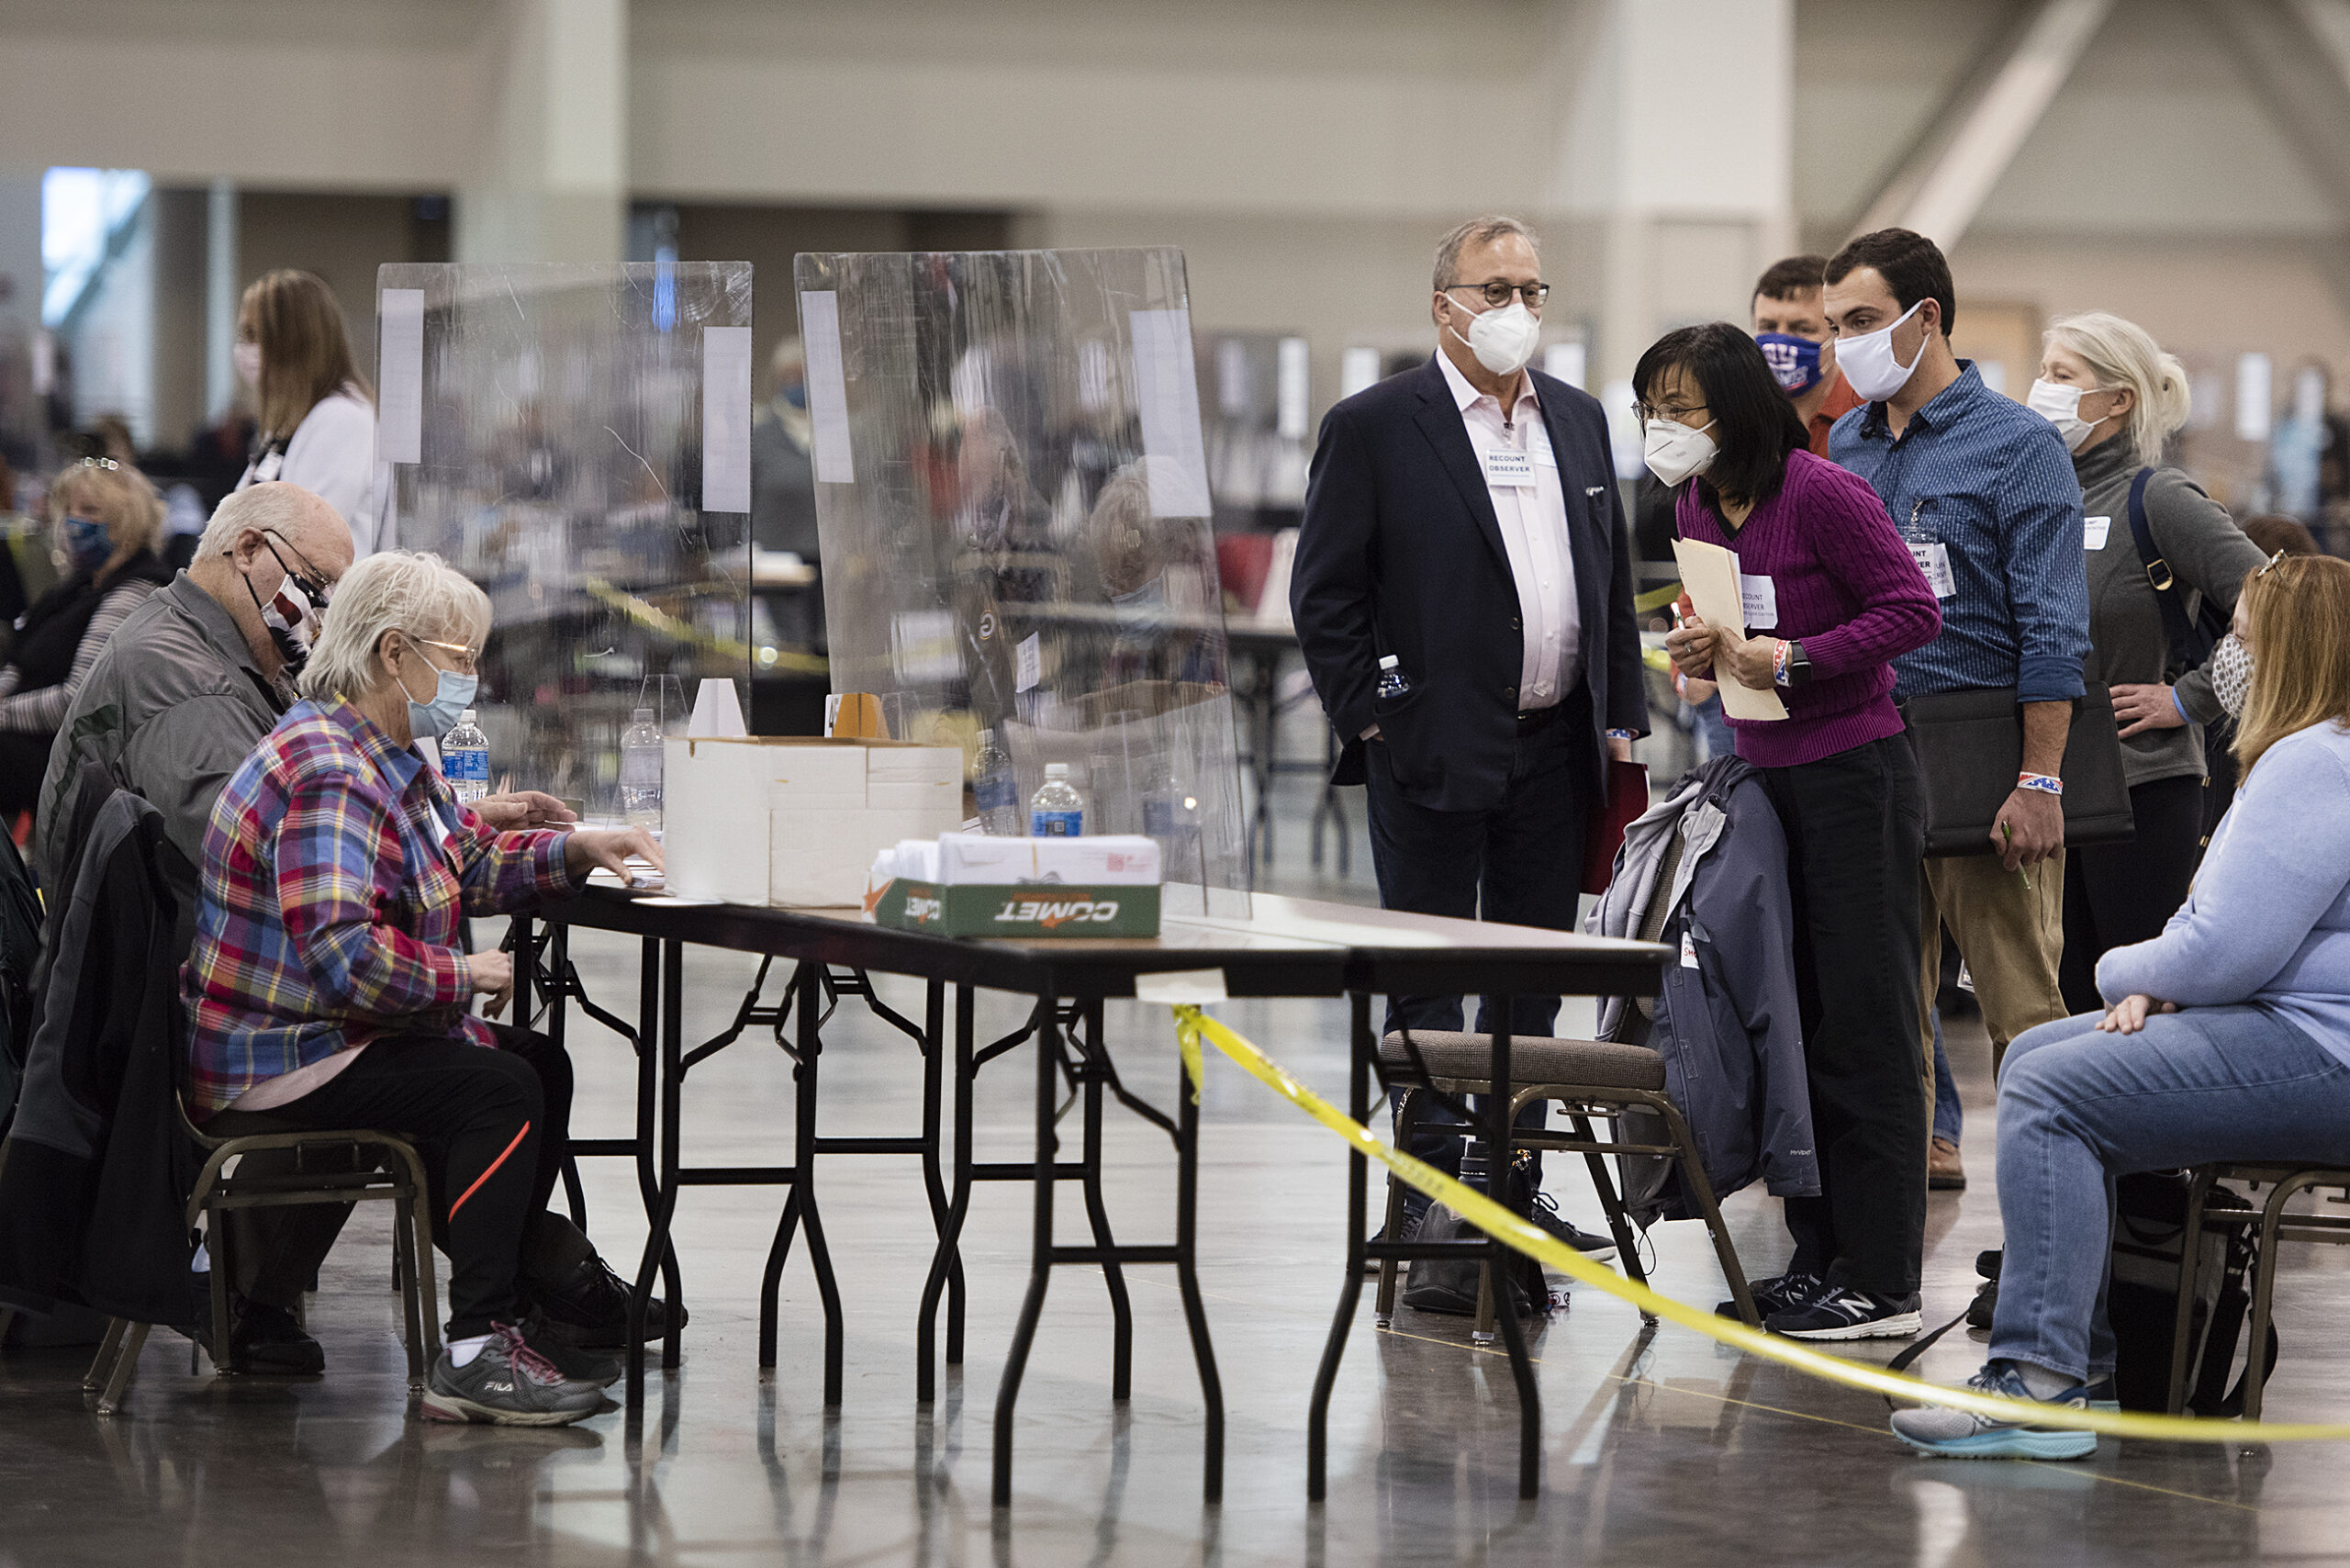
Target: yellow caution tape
[(1657, 598), (1192, 1025)]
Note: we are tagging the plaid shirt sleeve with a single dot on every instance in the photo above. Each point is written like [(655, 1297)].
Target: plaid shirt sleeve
[(503, 872), (336, 835)]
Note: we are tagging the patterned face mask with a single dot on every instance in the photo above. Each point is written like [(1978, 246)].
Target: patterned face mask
[(2231, 668)]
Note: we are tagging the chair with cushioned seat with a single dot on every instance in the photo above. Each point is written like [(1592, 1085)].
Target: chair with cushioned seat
[(1590, 1079)]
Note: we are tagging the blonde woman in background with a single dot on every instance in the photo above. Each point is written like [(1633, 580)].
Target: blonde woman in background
[(316, 414), (107, 522), (2116, 397)]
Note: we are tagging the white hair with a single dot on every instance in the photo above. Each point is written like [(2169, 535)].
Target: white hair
[(396, 590), (275, 508), (2122, 353)]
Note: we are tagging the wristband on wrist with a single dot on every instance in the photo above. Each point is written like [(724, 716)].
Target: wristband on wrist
[(1622, 735), (1681, 684), (2047, 784), (2180, 706), (1779, 651)]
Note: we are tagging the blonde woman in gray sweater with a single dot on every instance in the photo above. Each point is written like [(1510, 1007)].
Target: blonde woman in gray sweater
[(2116, 397)]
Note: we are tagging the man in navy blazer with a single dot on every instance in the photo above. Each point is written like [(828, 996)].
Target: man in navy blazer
[(1464, 518)]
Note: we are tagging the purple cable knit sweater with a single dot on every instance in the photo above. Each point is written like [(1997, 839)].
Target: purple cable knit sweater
[(1848, 590)]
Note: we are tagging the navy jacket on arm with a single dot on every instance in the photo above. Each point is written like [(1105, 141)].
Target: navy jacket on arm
[(1401, 554)]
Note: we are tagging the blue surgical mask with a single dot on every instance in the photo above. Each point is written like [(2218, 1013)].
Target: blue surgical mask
[(87, 544), (452, 695), (1794, 362), (796, 394)]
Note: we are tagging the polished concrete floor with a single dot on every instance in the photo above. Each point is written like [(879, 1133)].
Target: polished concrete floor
[(1659, 1447)]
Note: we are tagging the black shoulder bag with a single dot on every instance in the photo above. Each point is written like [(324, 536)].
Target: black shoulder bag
[(2190, 640)]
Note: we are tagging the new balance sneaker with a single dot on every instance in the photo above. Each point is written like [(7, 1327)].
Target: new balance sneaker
[(1598, 1249), (1837, 1313), (588, 1308), (507, 1385), (1961, 1434), (1779, 1292)]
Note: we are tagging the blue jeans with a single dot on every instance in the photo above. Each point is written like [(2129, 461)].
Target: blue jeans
[(2078, 1108), (1712, 727), (1949, 1116)]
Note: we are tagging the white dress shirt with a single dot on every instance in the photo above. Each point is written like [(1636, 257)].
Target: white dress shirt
[(1533, 518)]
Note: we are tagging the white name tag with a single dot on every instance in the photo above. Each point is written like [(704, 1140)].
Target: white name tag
[(2093, 532), (1688, 952), (1761, 597), (1934, 561), (1506, 468)]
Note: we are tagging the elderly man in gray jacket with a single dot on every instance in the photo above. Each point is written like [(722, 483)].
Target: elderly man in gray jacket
[(186, 689)]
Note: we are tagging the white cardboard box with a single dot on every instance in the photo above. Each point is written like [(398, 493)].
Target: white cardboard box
[(798, 819)]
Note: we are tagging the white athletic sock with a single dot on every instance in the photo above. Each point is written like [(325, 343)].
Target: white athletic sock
[(462, 1352), (2040, 1382)]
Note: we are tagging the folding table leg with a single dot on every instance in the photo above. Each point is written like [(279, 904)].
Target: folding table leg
[(1040, 1266), (1317, 1415), (945, 1262)]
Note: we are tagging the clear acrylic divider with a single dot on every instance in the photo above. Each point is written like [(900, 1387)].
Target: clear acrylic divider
[(576, 440), (1012, 491)]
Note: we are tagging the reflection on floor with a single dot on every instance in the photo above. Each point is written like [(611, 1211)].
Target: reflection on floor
[(1661, 1448)]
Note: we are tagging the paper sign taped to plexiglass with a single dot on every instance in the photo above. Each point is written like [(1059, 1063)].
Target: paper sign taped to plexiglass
[(1166, 397), (726, 419), (820, 332), (400, 376)]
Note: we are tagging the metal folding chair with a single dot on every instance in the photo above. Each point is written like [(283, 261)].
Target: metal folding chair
[(1591, 1080), (2286, 1181), (400, 1181)]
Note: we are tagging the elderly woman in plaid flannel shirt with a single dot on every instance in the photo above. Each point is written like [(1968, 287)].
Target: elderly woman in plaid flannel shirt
[(329, 986)]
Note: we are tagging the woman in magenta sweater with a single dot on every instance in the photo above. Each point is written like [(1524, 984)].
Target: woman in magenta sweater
[(1832, 595)]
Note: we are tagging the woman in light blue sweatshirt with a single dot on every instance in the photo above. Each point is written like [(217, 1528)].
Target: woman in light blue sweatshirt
[(2228, 1036)]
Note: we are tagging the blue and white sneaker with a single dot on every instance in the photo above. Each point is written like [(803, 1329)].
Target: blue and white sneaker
[(1961, 1434), (2104, 1396)]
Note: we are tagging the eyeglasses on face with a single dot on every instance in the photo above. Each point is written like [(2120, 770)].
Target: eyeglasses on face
[(1677, 412), (461, 654), (1497, 294)]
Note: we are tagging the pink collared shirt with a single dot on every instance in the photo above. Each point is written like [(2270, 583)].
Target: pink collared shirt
[(1533, 534)]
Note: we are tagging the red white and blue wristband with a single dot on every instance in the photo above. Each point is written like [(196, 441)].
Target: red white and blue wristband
[(2046, 783)]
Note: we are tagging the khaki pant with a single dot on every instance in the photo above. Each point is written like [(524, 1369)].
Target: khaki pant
[(2011, 938)]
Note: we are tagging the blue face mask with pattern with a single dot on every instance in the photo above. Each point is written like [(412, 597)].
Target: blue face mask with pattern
[(87, 544)]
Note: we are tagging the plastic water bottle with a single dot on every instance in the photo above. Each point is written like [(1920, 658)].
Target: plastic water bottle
[(1391, 677), (465, 759), (1056, 811), (994, 789), (641, 771)]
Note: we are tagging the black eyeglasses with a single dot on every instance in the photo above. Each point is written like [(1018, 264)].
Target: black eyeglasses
[(314, 583), (1672, 411), (1497, 294)]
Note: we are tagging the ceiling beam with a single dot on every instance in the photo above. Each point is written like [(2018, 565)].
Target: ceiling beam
[(1948, 174)]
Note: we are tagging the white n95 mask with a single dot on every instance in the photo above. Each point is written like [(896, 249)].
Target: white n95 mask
[(1674, 450), (1503, 340), (1869, 363)]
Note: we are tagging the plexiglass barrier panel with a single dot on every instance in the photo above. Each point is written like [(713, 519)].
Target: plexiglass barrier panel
[(1012, 497), (576, 440)]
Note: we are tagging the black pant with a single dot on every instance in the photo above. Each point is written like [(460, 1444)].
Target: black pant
[(1857, 830), (1519, 861), (492, 1126), (2116, 895)]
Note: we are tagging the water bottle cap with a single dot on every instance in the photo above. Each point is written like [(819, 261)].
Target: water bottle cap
[(467, 717), (1388, 661), (1057, 770), (641, 716)]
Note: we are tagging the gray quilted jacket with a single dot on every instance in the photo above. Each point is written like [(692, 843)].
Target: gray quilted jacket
[(1705, 872)]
